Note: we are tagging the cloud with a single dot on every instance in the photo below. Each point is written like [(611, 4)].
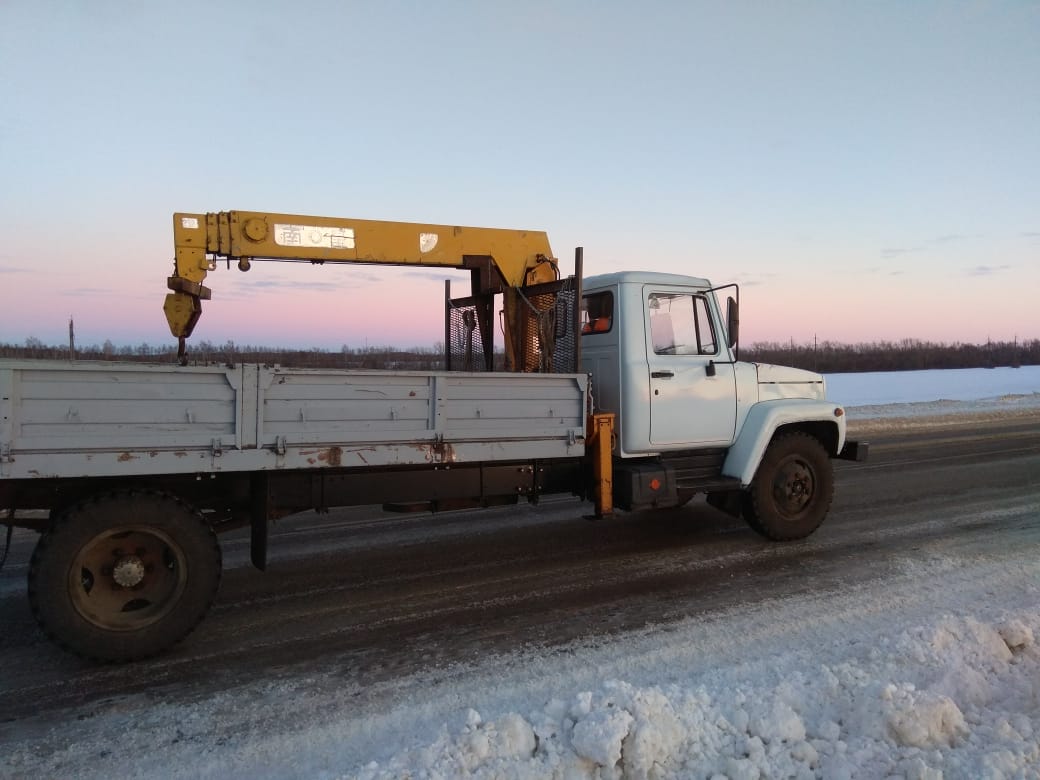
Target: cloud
[(345, 280), (440, 276), (339, 283), (90, 291), (14, 270), (1031, 234), (754, 280), (276, 284), (928, 245), (988, 270), (897, 251)]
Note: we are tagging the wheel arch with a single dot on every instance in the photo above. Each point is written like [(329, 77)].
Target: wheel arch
[(824, 431), (766, 420)]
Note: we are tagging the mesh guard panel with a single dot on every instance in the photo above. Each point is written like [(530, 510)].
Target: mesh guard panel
[(548, 340), (465, 347)]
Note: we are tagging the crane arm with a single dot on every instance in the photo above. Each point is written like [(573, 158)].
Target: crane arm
[(520, 257)]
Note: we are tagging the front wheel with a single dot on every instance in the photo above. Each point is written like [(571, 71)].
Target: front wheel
[(792, 489), (124, 576)]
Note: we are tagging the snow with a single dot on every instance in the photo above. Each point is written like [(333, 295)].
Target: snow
[(908, 400), (932, 671), (909, 395), (956, 696)]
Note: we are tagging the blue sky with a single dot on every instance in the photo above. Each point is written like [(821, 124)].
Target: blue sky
[(865, 170)]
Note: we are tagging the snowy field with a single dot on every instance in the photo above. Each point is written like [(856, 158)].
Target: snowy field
[(905, 395), (931, 673)]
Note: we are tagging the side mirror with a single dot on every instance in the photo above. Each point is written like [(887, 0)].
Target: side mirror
[(733, 322)]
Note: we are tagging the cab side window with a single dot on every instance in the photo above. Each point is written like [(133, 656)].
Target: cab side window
[(597, 313), (681, 324)]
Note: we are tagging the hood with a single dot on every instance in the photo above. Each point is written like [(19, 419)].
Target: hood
[(786, 382)]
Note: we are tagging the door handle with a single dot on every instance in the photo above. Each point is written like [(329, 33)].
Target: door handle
[(661, 374)]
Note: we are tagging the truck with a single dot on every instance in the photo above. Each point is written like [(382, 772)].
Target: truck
[(623, 389)]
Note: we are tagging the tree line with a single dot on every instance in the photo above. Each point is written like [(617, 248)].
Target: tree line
[(205, 352), (828, 357), (825, 357)]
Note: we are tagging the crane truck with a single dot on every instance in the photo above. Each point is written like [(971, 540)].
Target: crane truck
[(623, 389)]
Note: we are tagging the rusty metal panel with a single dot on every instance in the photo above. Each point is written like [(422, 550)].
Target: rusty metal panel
[(396, 418), (315, 406), (107, 414)]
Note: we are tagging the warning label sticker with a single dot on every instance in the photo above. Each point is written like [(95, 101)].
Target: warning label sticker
[(312, 236)]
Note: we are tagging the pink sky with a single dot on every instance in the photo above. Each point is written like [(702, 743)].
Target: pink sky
[(866, 171), (305, 306)]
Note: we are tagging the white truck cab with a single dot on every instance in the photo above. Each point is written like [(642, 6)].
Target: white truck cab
[(691, 418)]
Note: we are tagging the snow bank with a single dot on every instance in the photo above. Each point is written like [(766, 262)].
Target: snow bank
[(872, 681), (958, 698), (883, 388), (905, 400)]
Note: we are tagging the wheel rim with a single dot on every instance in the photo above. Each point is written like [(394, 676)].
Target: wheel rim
[(127, 578), (794, 486)]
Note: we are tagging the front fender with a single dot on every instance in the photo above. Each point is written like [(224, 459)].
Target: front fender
[(761, 423)]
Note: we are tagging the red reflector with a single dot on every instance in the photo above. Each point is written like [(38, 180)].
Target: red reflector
[(839, 412), (655, 484)]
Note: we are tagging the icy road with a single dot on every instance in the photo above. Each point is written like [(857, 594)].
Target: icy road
[(901, 640)]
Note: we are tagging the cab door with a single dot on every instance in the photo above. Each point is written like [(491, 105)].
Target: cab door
[(693, 399)]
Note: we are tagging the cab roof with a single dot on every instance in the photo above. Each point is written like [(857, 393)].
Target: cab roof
[(590, 283)]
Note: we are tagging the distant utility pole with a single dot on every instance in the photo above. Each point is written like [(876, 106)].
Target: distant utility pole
[(72, 339)]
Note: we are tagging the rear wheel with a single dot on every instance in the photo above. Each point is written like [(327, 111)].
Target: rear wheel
[(792, 489), (124, 576)]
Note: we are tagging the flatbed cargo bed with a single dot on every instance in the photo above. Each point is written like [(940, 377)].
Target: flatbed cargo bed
[(96, 419)]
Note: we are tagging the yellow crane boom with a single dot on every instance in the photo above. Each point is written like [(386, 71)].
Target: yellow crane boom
[(500, 260)]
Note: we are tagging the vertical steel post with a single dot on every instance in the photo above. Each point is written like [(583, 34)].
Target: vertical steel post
[(447, 324), (601, 446), (579, 256), (259, 517)]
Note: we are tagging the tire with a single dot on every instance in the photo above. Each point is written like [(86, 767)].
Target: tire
[(124, 576), (792, 489)]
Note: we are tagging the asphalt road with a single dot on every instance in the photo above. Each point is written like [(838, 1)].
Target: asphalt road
[(371, 597)]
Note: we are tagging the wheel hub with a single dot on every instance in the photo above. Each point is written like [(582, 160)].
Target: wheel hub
[(797, 488), (794, 489), (127, 577), (128, 571)]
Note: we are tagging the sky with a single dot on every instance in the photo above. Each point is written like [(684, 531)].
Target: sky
[(865, 171)]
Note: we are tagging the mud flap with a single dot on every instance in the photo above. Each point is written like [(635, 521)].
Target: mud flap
[(728, 501), (259, 512)]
